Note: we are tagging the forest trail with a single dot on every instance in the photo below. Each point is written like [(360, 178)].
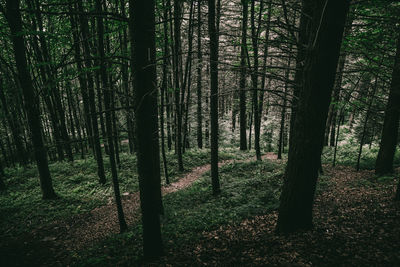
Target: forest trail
[(356, 221), (83, 230)]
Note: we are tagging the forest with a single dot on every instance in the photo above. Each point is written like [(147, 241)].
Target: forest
[(194, 133)]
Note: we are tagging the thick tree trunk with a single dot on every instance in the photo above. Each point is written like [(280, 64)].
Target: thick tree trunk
[(142, 26), (384, 161), (213, 96), (295, 211), (13, 17)]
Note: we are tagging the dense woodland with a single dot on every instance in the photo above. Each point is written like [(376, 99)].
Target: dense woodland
[(211, 132)]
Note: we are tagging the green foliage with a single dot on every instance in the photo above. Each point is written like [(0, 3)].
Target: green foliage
[(347, 155), (77, 187), (248, 189)]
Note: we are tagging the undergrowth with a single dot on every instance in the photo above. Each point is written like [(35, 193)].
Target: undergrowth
[(76, 184), (248, 189)]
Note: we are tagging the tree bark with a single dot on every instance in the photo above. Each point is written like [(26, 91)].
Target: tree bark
[(13, 17), (384, 161), (213, 96), (295, 210), (142, 26), (199, 82), (242, 83), (88, 62)]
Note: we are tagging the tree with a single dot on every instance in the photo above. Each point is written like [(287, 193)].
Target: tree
[(213, 95), (199, 77), (90, 85), (295, 210), (384, 161), (142, 27), (242, 85), (14, 20), (109, 127)]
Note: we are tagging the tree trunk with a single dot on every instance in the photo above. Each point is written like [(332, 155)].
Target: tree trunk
[(199, 77), (13, 17), (177, 80), (164, 88), (107, 95), (142, 26), (88, 62), (242, 83), (295, 210), (213, 96), (384, 161)]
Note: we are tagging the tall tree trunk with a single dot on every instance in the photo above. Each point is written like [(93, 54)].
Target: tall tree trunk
[(89, 65), (297, 198), (177, 79), (142, 26), (255, 33), (242, 83), (14, 126), (13, 17), (164, 88), (365, 124), (384, 161), (199, 77), (213, 96), (107, 98)]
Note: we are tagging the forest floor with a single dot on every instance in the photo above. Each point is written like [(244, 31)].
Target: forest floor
[(356, 223)]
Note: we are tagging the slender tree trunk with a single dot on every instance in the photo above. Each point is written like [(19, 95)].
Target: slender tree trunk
[(107, 95), (164, 88), (13, 17), (297, 198), (177, 80), (142, 26), (387, 149), (364, 131), (199, 77), (88, 62), (213, 96), (242, 83)]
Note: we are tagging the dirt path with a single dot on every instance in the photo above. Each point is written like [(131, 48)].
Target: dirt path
[(83, 230), (356, 224)]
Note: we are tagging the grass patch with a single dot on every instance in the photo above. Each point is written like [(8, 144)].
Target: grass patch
[(347, 156), (21, 206), (248, 189)]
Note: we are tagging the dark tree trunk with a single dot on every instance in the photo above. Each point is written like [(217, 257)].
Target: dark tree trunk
[(89, 65), (295, 211), (384, 161), (177, 80), (303, 39), (15, 127), (107, 95), (164, 88), (13, 17), (242, 85), (2, 184), (142, 26), (199, 77), (255, 33), (213, 96)]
